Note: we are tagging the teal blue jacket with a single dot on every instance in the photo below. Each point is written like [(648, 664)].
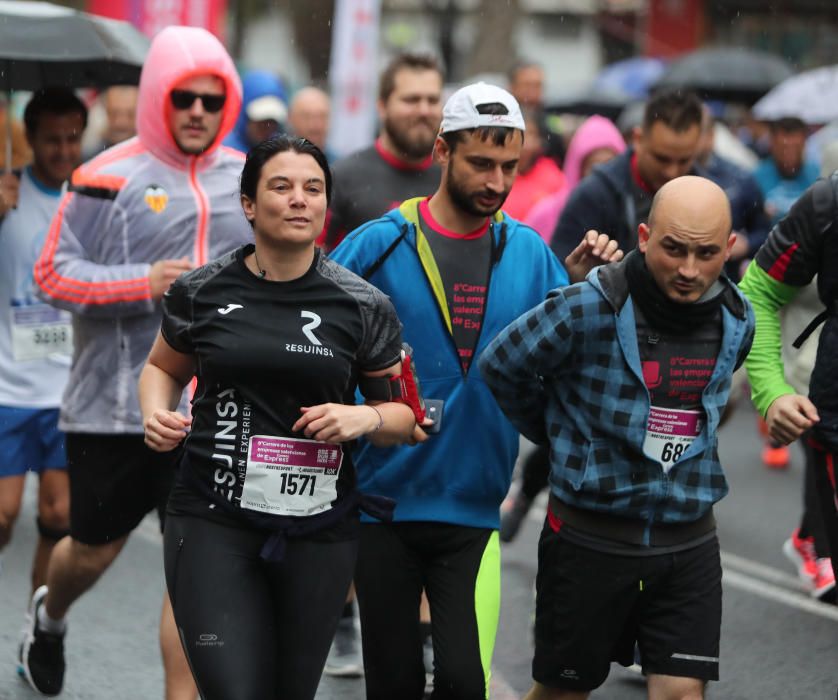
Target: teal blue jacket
[(462, 474)]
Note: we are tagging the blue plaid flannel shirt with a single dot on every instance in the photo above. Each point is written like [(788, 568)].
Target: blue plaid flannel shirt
[(568, 372)]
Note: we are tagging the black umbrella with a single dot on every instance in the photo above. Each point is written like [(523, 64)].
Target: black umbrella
[(730, 74), (45, 45), (590, 101)]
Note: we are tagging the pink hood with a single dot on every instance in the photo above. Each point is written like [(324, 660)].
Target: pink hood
[(596, 132), (177, 53)]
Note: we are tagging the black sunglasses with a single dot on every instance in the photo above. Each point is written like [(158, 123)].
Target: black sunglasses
[(184, 99)]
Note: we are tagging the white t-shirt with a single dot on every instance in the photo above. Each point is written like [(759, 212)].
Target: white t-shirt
[(35, 339)]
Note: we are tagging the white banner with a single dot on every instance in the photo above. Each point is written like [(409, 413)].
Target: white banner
[(353, 74)]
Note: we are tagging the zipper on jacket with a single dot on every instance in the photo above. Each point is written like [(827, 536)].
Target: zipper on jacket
[(201, 247), (494, 259)]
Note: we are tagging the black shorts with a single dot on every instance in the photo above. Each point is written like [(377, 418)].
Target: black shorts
[(114, 481), (592, 607)]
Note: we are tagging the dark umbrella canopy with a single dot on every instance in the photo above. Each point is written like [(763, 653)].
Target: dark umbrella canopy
[(46, 45), (733, 74)]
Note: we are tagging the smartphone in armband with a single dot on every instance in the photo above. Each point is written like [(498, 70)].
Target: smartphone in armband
[(433, 410)]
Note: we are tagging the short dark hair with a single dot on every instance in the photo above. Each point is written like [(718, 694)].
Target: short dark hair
[(676, 108), (262, 152), (498, 134), (409, 61), (52, 100), (788, 124), (520, 65)]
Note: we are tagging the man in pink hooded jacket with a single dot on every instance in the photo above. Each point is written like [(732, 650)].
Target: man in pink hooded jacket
[(134, 218)]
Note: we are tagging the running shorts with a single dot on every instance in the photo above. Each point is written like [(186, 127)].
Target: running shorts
[(30, 441), (115, 480), (593, 607)]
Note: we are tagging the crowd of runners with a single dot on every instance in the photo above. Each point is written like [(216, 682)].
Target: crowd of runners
[(318, 373)]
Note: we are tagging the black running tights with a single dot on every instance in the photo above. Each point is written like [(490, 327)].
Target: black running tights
[(254, 630)]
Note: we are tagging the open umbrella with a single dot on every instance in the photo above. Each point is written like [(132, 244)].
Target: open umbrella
[(731, 74), (632, 76), (44, 45), (811, 96), (587, 102)]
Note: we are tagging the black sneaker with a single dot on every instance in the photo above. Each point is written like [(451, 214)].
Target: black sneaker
[(43, 653)]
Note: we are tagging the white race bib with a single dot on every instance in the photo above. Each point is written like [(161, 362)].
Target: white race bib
[(39, 330), (670, 432), (291, 476)]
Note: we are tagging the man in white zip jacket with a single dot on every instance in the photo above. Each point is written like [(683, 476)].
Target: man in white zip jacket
[(134, 218)]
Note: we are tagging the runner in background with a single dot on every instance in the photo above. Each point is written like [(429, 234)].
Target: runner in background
[(783, 176), (308, 116), (134, 218), (118, 106), (399, 165), (538, 176), (263, 113), (35, 339)]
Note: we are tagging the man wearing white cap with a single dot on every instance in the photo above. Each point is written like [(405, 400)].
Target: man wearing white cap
[(458, 270)]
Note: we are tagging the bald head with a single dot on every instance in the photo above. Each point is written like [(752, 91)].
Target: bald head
[(308, 115), (688, 238), (121, 109), (699, 202)]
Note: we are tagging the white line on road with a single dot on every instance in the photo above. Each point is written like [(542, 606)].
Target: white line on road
[(779, 595), (767, 573)]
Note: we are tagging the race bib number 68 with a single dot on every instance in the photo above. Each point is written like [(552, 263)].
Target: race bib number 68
[(669, 433)]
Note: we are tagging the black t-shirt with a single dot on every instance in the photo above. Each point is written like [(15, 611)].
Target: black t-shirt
[(371, 182), (463, 262), (264, 349)]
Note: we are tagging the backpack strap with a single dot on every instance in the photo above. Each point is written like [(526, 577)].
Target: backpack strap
[(372, 269)]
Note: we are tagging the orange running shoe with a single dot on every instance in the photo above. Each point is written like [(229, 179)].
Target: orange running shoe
[(775, 456)]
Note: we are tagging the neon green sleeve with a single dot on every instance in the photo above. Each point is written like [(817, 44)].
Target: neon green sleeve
[(765, 361)]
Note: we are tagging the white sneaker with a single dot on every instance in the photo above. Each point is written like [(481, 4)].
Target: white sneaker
[(345, 660)]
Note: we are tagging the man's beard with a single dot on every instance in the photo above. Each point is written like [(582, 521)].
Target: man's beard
[(411, 148), (466, 201)]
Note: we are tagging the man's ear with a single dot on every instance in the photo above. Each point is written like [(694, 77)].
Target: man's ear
[(731, 239), (636, 136), (643, 234), (442, 151)]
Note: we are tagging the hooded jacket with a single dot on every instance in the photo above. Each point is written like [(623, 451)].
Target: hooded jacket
[(597, 132), (460, 475), (255, 84), (603, 201), (141, 201), (568, 374)]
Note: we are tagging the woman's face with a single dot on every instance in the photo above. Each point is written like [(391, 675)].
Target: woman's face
[(290, 202), (594, 158)]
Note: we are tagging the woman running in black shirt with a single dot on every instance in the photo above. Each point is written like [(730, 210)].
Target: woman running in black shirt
[(261, 536)]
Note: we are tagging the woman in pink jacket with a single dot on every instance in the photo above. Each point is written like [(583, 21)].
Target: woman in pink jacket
[(595, 142)]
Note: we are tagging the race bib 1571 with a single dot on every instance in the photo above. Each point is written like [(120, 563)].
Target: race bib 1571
[(291, 476)]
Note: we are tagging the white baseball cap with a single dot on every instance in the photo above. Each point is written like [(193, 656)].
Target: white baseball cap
[(266, 107), (460, 111)]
